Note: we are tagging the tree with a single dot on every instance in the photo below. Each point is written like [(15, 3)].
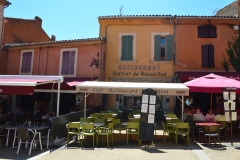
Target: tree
[(233, 52)]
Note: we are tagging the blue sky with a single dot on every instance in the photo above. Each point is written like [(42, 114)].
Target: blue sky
[(77, 19)]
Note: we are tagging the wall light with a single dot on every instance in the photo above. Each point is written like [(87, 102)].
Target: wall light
[(94, 63)]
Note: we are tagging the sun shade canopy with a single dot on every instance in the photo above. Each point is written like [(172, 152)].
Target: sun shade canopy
[(132, 88), (212, 84), (24, 85)]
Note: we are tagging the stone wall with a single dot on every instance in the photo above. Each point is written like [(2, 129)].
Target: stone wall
[(229, 10)]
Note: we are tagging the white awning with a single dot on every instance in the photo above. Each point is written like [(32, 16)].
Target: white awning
[(132, 88)]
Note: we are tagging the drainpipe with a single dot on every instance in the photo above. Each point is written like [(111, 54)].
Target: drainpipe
[(3, 26)]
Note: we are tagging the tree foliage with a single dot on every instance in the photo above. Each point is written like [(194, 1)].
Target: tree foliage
[(233, 52)]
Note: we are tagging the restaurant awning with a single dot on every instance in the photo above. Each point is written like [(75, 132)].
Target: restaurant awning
[(24, 84), (132, 88), (175, 89), (185, 76)]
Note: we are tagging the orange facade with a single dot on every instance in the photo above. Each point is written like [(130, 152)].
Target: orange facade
[(189, 45)]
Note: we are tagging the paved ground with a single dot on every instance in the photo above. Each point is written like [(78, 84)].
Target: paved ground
[(168, 150)]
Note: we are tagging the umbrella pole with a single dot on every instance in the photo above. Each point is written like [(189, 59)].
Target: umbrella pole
[(211, 101)]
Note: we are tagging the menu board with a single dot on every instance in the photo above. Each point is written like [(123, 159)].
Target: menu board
[(150, 118), (144, 108), (152, 99), (151, 109)]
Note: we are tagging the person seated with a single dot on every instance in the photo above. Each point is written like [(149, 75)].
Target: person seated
[(220, 116), (198, 116), (18, 111), (47, 116), (210, 117)]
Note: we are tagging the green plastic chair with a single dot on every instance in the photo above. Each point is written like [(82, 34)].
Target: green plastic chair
[(73, 128), (167, 129), (171, 116), (85, 120), (137, 120), (107, 115), (182, 129), (98, 115), (211, 131), (106, 131), (100, 120), (88, 130), (117, 126), (132, 128)]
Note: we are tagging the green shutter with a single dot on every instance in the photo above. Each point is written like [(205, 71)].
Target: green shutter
[(169, 47), (127, 48), (157, 48)]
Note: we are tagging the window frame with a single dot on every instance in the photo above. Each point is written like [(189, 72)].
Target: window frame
[(207, 53), (75, 62), (162, 34), (21, 59), (120, 46)]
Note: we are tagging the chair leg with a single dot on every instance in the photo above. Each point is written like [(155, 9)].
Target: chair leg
[(19, 145), (30, 149), (127, 138), (40, 141), (107, 141), (176, 138), (93, 141), (163, 136), (188, 139), (112, 139)]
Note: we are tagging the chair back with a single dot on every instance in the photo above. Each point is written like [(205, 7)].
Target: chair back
[(133, 125), (97, 115), (182, 125), (163, 125), (211, 129), (88, 126), (107, 115), (23, 134), (72, 125), (223, 124), (99, 120), (87, 120), (116, 121), (137, 120), (111, 127)]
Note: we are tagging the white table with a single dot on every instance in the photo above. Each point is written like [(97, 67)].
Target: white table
[(15, 128)]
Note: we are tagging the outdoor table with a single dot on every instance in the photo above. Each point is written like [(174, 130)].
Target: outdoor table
[(15, 128)]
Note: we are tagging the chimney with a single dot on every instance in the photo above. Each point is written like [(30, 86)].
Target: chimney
[(53, 38), (39, 20)]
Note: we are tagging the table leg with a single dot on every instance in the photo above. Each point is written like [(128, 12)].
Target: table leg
[(15, 135), (7, 137)]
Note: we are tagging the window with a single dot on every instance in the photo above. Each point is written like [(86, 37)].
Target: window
[(208, 56), (68, 60), (162, 48), (127, 49), (207, 31), (26, 62)]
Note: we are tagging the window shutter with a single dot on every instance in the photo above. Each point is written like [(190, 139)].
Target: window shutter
[(212, 31), (211, 56), (65, 62), (71, 61), (202, 31), (127, 48), (157, 48), (169, 47), (26, 62), (204, 56)]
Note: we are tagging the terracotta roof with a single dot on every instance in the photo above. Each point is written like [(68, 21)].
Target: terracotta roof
[(163, 16), (54, 43)]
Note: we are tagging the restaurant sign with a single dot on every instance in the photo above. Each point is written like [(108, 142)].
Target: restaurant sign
[(139, 71), (130, 91)]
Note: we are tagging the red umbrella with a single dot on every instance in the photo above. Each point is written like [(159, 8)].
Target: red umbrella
[(212, 84)]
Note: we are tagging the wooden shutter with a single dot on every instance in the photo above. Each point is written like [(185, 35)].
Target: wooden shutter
[(127, 48), (169, 47), (204, 56), (71, 62), (212, 31), (26, 62), (65, 62), (211, 56), (157, 48), (202, 31)]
